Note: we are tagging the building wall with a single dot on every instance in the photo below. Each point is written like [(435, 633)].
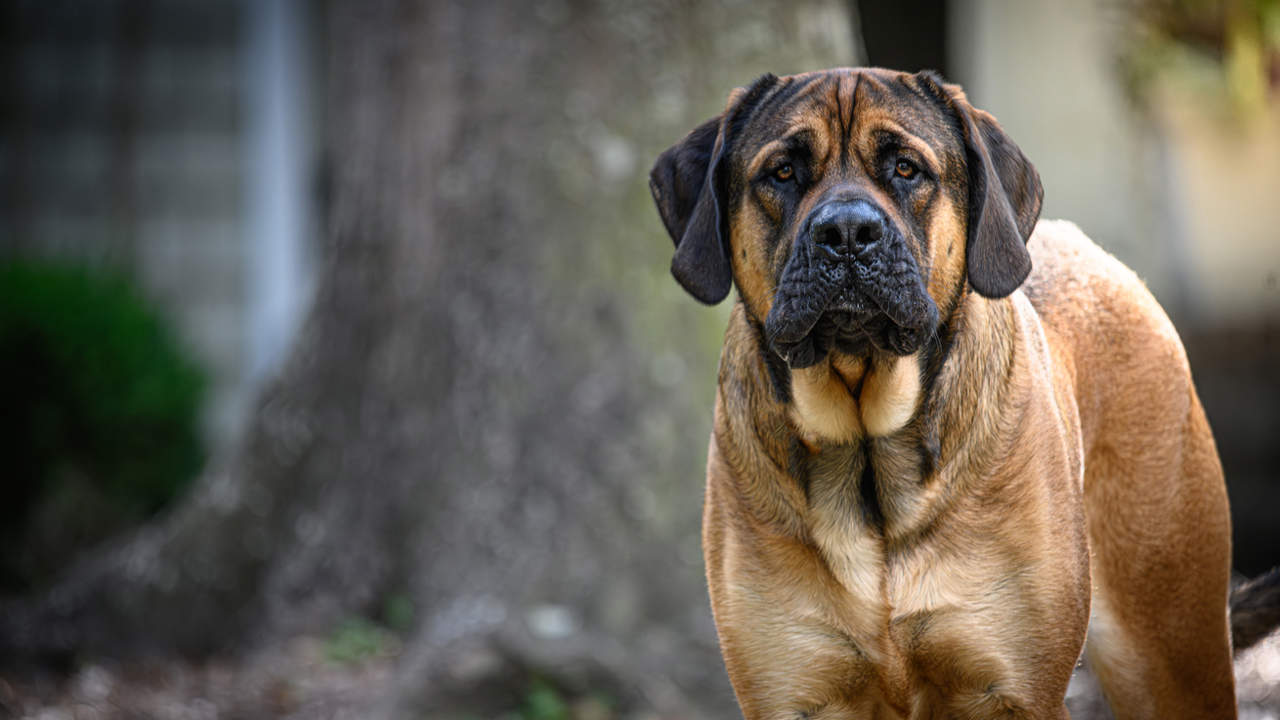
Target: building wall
[(1046, 70)]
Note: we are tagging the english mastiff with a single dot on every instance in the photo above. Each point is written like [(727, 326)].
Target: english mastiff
[(950, 442)]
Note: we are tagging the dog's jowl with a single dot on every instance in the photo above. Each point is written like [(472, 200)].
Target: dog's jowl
[(950, 442)]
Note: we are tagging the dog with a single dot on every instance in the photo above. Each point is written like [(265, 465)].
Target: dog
[(951, 441)]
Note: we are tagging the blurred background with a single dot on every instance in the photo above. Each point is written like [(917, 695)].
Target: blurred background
[(343, 375)]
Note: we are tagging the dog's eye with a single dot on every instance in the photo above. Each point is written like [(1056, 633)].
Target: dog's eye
[(906, 169), (784, 173)]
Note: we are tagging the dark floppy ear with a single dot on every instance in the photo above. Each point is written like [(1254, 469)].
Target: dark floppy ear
[(1005, 195), (688, 187), (684, 189)]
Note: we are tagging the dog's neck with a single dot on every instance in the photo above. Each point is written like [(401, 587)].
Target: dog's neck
[(880, 432), (847, 400), (844, 398)]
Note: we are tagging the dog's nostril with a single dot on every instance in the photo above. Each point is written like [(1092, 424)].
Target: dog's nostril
[(830, 237), (864, 236)]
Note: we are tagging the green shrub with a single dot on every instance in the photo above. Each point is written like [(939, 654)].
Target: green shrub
[(357, 639), (99, 426), (544, 702)]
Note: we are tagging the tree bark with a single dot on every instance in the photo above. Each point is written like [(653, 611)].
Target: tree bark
[(499, 404)]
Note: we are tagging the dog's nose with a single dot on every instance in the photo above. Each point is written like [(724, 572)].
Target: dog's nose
[(843, 227)]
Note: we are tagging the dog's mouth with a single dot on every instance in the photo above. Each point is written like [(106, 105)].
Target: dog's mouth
[(871, 301)]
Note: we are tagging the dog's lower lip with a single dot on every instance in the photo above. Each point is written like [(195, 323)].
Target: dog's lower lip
[(793, 332)]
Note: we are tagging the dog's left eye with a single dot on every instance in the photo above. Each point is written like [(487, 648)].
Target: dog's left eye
[(906, 170)]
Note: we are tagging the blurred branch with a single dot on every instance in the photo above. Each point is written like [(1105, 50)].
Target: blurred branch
[(1233, 45)]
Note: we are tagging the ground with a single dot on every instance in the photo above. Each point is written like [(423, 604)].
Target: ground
[(345, 675)]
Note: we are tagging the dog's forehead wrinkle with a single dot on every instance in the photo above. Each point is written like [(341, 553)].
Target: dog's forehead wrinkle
[(789, 89), (847, 108)]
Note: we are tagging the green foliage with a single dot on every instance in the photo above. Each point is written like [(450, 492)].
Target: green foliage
[(544, 702), (357, 639), (100, 413), (397, 612), (1227, 49)]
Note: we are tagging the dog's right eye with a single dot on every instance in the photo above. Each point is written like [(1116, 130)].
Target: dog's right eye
[(784, 173)]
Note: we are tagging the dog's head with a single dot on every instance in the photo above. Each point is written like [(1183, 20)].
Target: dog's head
[(850, 207)]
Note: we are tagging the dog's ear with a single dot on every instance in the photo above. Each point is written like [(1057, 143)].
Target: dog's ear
[(1005, 195), (688, 187)]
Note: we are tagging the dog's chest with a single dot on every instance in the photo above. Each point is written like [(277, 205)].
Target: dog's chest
[(843, 522), (911, 611)]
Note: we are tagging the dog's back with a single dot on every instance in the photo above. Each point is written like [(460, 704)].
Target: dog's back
[(1122, 351), (1155, 501)]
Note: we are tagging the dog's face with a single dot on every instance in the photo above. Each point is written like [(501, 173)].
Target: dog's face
[(849, 206)]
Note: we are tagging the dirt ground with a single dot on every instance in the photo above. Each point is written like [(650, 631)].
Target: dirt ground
[(298, 680), (309, 679)]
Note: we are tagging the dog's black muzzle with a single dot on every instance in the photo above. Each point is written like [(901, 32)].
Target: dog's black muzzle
[(850, 284)]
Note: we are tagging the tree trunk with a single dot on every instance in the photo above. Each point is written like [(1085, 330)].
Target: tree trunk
[(499, 405)]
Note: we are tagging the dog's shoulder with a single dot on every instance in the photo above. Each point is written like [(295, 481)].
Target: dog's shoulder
[(1069, 269), (1112, 341), (1083, 293)]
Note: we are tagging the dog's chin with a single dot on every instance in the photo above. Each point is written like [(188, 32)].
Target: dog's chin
[(854, 331)]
